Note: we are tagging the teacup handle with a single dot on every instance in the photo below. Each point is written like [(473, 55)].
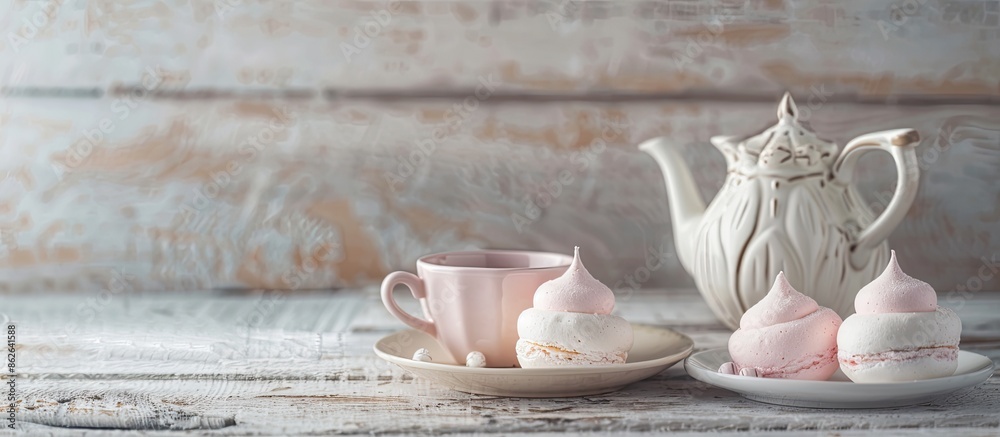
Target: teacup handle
[(416, 286)]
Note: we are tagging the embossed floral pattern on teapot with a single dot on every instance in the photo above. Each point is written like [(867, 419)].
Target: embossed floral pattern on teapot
[(788, 204)]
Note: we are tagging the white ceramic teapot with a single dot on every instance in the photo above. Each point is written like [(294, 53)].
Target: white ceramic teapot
[(787, 204)]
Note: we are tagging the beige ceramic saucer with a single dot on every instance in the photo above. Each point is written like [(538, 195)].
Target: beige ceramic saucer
[(654, 350), (839, 392)]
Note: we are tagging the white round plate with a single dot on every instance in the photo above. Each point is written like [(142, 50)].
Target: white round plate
[(653, 350), (838, 392)]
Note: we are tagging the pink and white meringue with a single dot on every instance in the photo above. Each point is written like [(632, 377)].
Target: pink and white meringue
[(571, 323), (785, 335), (899, 332)]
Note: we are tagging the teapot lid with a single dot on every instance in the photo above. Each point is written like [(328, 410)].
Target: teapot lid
[(789, 147)]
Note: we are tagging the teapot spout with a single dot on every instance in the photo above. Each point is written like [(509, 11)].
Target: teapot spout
[(686, 205)]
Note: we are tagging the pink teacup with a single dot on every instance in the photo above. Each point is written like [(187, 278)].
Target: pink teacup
[(471, 300)]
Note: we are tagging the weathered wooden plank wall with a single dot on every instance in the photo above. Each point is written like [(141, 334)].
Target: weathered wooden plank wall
[(184, 146), (725, 47)]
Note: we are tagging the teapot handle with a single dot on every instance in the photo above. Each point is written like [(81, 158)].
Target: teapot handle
[(900, 143)]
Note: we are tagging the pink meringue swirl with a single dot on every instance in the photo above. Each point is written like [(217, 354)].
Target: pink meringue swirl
[(895, 292), (575, 291), (786, 335), (783, 303)]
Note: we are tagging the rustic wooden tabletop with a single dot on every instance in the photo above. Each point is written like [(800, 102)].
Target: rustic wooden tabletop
[(274, 363)]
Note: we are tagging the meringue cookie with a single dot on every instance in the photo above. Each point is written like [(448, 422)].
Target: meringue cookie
[(785, 335), (571, 323), (899, 333)]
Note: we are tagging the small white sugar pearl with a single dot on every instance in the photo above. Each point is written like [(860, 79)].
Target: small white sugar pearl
[(422, 355), (475, 359)]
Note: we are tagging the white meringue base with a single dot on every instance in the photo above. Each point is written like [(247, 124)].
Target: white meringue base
[(560, 338), (894, 347)]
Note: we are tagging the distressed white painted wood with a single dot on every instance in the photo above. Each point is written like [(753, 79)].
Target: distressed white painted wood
[(172, 195), (221, 47), (269, 363), (124, 127)]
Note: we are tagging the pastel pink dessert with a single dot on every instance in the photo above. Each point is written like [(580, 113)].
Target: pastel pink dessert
[(785, 335), (899, 332), (571, 323), (575, 291)]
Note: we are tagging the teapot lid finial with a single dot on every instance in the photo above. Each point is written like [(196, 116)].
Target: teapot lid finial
[(787, 108), (789, 147)]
